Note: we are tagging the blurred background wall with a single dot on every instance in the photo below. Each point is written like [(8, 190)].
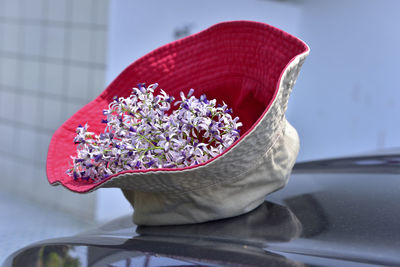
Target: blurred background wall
[(52, 62), (347, 99), (56, 54)]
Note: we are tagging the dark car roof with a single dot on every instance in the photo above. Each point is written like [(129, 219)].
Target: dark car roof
[(339, 212)]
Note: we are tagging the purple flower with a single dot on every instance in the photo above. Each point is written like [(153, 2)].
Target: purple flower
[(185, 106), (143, 132), (98, 157), (151, 162), (203, 98)]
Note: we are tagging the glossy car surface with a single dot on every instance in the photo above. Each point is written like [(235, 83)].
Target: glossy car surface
[(340, 212)]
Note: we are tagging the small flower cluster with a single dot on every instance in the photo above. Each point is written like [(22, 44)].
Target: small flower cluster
[(143, 131)]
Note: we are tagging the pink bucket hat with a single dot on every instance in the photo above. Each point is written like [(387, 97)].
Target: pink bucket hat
[(252, 67)]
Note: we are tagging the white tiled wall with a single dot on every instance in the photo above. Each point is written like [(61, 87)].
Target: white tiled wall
[(52, 62)]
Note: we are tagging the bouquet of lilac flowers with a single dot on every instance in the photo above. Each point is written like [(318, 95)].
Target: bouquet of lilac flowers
[(143, 132)]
